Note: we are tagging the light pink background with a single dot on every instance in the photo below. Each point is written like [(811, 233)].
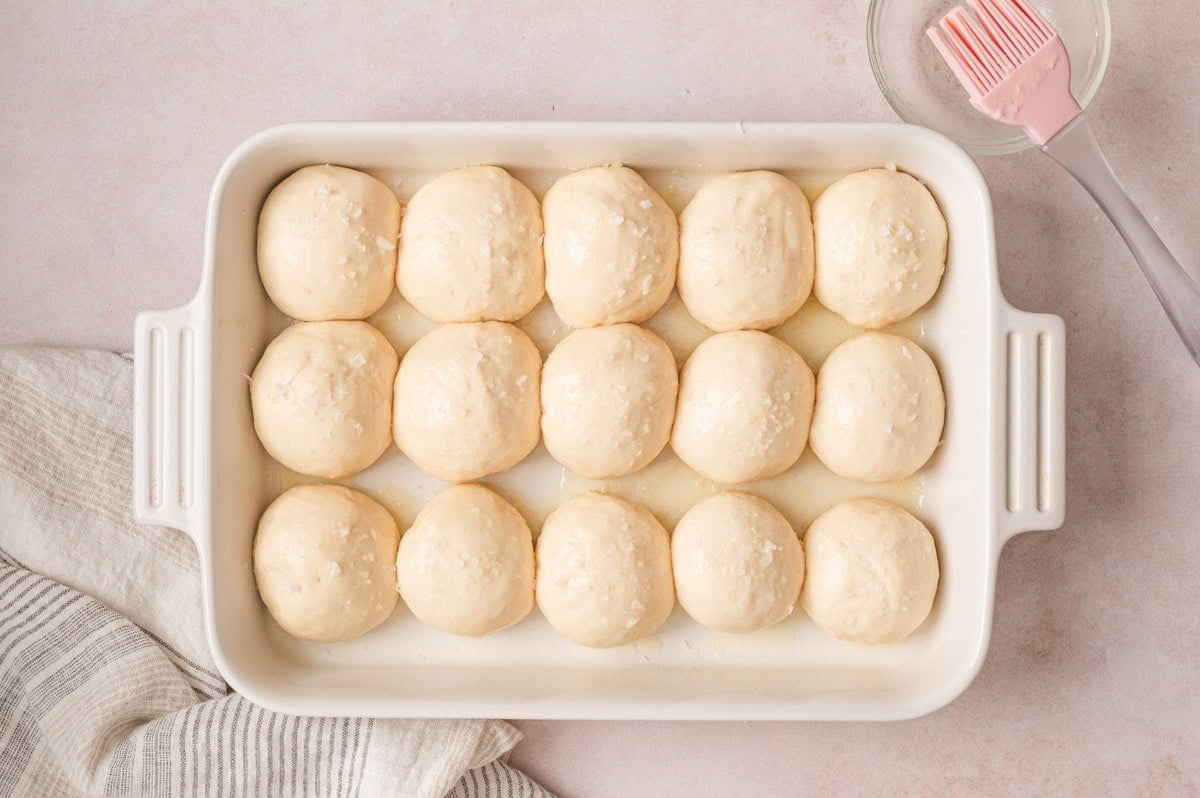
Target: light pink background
[(114, 118)]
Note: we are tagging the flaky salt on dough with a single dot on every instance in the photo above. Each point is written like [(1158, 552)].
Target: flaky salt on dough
[(471, 247), (879, 409), (467, 400), (324, 561), (745, 400), (738, 563), (604, 571), (465, 566), (612, 246), (608, 399), (745, 251), (327, 244), (321, 396), (872, 572), (881, 247)]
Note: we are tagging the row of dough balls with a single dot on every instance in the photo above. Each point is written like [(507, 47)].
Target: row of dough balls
[(473, 399), (473, 245), (329, 562)]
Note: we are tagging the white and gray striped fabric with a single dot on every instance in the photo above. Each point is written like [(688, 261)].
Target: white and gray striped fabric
[(106, 683)]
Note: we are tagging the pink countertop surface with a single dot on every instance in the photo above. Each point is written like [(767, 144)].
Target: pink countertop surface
[(114, 119)]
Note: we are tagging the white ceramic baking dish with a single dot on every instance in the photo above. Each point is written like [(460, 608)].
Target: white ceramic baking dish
[(200, 469)]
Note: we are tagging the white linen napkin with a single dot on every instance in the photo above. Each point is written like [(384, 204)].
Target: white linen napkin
[(106, 683)]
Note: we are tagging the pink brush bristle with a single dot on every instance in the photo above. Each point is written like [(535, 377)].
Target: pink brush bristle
[(1011, 62), (1013, 25), (987, 47)]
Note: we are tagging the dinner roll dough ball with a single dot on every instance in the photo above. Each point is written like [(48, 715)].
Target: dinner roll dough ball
[(325, 562), (738, 563), (872, 572), (879, 409), (465, 566), (608, 399), (604, 571), (322, 397), (881, 247), (327, 244), (467, 400), (471, 247), (745, 251), (745, 400), (612, 244)]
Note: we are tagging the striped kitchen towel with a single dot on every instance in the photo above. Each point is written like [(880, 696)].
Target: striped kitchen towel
[(106, 683)]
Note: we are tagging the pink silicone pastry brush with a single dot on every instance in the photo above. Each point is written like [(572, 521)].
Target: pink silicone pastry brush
[(1015, 68)]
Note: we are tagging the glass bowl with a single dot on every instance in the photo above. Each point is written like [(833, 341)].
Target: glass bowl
[(923, 91)]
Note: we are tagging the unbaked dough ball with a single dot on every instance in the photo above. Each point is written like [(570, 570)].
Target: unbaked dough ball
[(872, 572), (325, 562), (608, 399), (465, 566), (467, 400), (604, 571), (879, 409), (738, 563), (881, 247), (327, 244), (745, 251), (745, 400), (471, 247), (322, 397), (612, 245)]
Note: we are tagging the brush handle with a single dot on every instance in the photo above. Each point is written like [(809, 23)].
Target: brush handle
[(1076, 149)]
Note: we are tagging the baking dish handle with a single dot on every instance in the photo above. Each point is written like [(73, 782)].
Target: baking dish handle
[(1035, 422), (164, 407)]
